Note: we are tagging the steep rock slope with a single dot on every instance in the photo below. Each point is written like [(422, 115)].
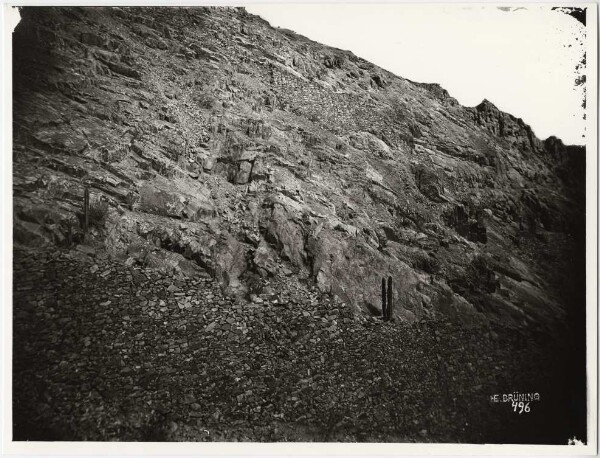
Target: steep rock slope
[(216, 141)]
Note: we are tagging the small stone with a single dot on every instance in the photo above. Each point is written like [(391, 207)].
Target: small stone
[(189, 399)]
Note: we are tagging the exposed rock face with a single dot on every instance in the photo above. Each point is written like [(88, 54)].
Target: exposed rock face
[(259, 155)]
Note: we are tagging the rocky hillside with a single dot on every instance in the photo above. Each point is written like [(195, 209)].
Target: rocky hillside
[(210, 140)]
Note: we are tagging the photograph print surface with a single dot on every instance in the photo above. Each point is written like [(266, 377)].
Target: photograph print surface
[(300, 223)]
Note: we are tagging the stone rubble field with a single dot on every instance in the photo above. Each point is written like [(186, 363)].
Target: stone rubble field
[(104, 351)]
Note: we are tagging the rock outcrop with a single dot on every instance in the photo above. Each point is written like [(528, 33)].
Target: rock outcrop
[(263, 157)]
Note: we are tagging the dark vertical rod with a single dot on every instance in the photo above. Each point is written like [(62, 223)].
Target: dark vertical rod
[(383, 296), (86, 210), (390, 299)]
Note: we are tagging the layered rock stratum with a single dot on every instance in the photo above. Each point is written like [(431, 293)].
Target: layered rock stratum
[(213, 142), (219, 141)]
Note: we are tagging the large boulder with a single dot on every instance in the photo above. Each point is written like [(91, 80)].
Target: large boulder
[(166, 202), (230, 264), (366, 141), (264, 259), (429, 183), (352, 269), (286, 235)]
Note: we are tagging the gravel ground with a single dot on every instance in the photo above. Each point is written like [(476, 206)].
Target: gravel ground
[(105, 351)]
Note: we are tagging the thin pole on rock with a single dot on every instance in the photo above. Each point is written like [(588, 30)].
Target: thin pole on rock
[(86, 210), (390, 299), (383, 298)]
